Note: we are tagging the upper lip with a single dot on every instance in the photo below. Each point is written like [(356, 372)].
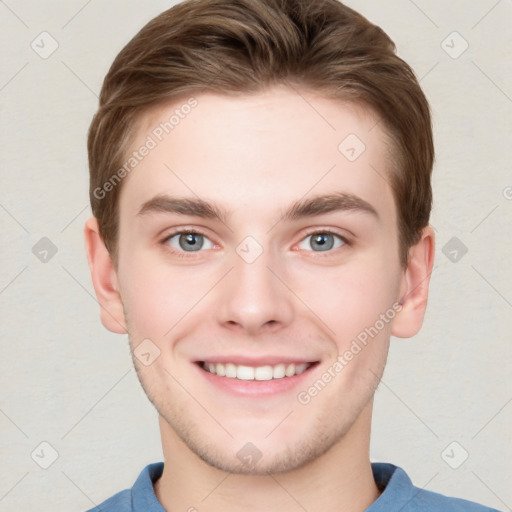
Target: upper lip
[(257, 361)]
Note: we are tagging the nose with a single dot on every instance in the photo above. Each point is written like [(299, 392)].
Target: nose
[(254, 298)]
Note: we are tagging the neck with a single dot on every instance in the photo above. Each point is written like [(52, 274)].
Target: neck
[(340, 479)]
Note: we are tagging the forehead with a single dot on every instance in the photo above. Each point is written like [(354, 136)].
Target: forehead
[(259, 151)]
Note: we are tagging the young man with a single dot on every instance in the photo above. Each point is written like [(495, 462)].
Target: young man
[(260, 184)]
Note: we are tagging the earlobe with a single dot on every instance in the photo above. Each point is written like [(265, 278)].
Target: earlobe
[(415, 285), (104, 278)]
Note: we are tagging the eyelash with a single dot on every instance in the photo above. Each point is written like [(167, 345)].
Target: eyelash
[(185, 254)]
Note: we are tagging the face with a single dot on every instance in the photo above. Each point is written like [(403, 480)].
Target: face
[(258, 243)]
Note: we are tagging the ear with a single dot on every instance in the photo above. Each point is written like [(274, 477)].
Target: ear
[(414, 286), (104, 279)]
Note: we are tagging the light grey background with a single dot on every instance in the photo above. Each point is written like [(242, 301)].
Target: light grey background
[(66, 381)]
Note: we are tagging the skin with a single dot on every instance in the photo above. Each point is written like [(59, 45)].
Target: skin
[(254, 156)]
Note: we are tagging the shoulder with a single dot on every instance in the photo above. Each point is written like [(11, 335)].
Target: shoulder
[(427, 500), (140, 498), (399, 493), (120, 502)]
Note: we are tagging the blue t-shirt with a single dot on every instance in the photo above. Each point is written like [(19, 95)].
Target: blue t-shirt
[(398, 494)]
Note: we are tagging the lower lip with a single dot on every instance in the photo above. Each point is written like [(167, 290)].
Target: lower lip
[(256, 388)]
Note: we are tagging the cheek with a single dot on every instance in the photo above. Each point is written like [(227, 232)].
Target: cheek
[(360, 312), (156, 295), (350, 298)]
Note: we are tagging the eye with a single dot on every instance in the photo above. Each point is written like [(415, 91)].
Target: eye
[(188, 241), (322, 241)]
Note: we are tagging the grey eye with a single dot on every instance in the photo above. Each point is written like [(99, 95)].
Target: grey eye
[(321, 242), (189, 242)]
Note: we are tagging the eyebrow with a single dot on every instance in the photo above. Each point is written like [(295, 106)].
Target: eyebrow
[(183, 206), (303, 208), (329, 203)]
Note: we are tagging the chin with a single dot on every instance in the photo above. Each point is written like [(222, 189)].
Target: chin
[(259, 455), (249, 460)]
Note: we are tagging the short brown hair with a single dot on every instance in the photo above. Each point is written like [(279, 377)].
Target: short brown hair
[(244, 46)]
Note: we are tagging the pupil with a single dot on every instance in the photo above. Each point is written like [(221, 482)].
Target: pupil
[(191, 241), (322, 242)]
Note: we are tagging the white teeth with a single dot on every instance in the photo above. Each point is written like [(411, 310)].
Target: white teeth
[(267, 372), (263, 373), (279, 371), (231, 371), (244, 372), (290, 370), (300, 368)]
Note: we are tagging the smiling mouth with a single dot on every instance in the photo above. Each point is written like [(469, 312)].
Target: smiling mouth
[(267, 372)]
